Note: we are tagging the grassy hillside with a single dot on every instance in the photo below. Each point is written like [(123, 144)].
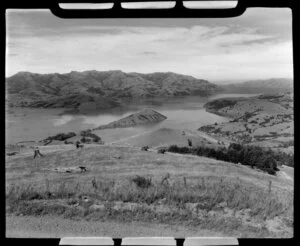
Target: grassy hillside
[(165, 137), (95, 89), (146, 116), (124, 184), (265, 120)]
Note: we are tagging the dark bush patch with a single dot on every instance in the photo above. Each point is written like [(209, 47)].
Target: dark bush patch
[(220, 103), (86, 140), (217, 130), (68, 142), (253, 156), (145, 148), (207, 128), (11, 153), (161, 151), (142, 182), (61, 136), (269, 96), (88, 135)]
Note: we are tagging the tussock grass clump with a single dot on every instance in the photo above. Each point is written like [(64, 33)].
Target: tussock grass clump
[(142, 182), (161, 151), (145, 148)]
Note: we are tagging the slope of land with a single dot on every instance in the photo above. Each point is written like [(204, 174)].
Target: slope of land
[(165, 137), (98, 89), (260, 86), (146, 116), (127, 185), (265, 120)]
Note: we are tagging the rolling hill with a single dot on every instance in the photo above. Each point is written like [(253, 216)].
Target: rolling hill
[(265, 120), (146, 116), (98, 89), (260, 86)]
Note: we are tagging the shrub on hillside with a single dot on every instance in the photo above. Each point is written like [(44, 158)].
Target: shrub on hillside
[(86, 140), (269, 171), (185, 150), (173, 148), (207, 128), (290, 160), (88, 134), (61, 136), (284, 158), (161, 151), (253, 156), (145, 148), (190, 142), (68, 142), (269, 162), (221, 103), (221, 155), (142, 182)]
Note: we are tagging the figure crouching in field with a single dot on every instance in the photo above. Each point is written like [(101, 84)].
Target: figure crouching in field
[(37, 152), (78, 145)]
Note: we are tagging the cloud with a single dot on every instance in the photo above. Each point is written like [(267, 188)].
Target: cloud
[(149, 53), (12, 54), (218, 50)]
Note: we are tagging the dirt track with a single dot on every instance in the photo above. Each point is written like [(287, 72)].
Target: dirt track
[(54, 227)]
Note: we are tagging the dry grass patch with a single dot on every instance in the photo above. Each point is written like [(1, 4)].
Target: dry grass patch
[(191, 195)]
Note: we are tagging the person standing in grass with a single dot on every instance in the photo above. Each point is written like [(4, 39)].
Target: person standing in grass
[(78, 145), (37, 152)]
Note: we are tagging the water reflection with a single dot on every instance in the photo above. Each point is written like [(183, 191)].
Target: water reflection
[(182, 113), (62, 120)]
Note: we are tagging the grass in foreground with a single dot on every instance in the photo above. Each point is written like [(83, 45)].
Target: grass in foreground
[(199, 193), (209, 204)]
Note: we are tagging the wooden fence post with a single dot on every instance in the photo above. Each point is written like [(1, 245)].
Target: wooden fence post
[(270, 186), (47, 184)]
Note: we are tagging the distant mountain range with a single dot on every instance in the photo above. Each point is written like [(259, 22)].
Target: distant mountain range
[(107, 89), (101, 89), (260, 86)]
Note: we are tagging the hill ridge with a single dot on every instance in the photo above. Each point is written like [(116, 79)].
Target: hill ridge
[(72, 89), (272, 85), (146, 116)]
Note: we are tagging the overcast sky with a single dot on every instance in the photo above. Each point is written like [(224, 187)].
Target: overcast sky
[(256, 45)]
